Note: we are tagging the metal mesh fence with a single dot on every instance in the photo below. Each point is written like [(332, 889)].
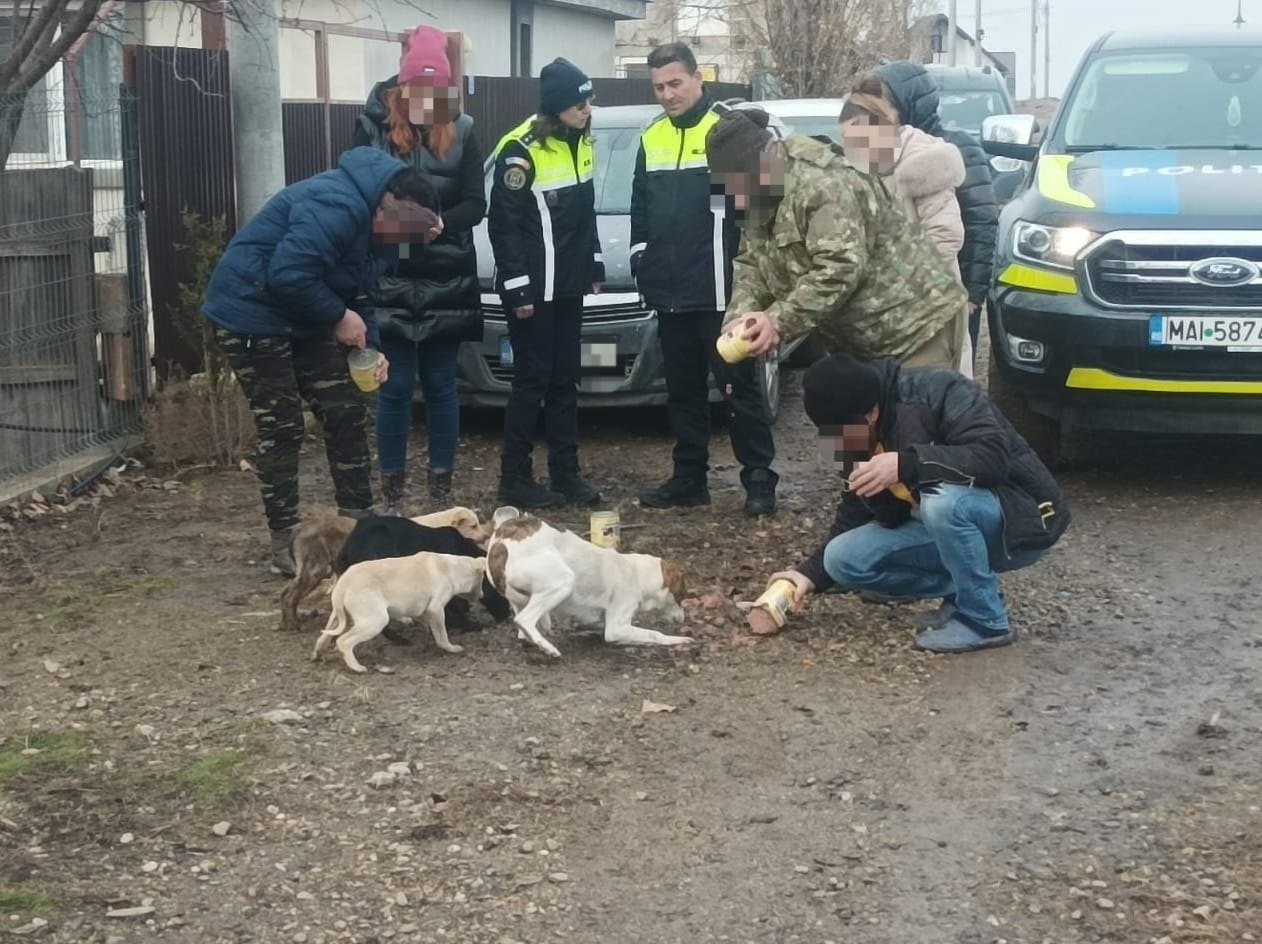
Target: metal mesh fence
[(73, 324)]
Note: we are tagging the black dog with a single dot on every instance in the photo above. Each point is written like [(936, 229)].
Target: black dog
[(378, 538)]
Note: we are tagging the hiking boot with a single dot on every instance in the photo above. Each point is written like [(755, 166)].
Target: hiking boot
[(676, 492), (518, 487), (439, 483), (392, 493), (576, 491), (282, 561), (957, 635), (760, 492)]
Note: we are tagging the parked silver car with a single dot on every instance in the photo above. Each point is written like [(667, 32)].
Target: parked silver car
[(622, 356)]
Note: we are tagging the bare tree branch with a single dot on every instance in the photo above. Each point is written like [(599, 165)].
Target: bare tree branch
[(45, 21), (816, 48), (38, 65)]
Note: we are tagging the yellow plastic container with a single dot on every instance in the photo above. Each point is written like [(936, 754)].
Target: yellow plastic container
[(732, 344), (363, 366), (774, 604), (606, 528)]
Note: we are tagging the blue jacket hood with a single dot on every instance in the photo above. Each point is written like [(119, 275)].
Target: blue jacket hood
[(371, 171)]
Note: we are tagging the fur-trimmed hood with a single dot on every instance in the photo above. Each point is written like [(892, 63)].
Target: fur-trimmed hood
[(927, 164)]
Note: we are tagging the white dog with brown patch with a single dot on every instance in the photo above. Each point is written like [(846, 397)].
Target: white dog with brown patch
[(542, 571), (371, 593)]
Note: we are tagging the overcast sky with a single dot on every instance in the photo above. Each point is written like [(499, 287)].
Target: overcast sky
[(1077, 23)]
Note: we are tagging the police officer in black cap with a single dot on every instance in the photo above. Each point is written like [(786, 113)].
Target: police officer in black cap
[(542, 225)]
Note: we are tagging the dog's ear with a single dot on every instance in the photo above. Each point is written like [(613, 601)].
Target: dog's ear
[(673, 581)]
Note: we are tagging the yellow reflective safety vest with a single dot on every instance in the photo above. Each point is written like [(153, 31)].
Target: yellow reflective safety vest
[(683, 237), (542, 217)]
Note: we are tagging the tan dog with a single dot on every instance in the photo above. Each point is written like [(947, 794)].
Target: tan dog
[(321, 536), (543, 571), (371, 593)]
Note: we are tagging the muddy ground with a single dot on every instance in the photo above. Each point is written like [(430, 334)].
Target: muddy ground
[(1099, 781)]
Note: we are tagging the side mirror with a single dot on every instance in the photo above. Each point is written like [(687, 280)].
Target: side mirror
[(1010, 137)]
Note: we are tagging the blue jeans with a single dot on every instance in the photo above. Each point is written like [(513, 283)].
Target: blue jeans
[(435, 363), (952, 547)]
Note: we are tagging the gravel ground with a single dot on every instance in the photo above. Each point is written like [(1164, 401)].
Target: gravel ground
[(173, 768)]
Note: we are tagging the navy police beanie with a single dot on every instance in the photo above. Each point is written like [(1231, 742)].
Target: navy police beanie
[(562, 85)]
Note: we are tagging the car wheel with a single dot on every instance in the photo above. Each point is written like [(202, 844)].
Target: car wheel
[(1050, 442), (768, 372)]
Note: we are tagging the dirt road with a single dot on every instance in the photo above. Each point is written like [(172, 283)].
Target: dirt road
[(1099, 781)]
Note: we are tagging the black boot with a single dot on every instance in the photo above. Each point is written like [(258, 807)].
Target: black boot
[(440, 488), (519, 488), (392, 493), (760, 492), (677, 492), (570, 484)]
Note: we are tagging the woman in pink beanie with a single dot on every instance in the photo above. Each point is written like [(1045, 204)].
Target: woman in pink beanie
[(431, 301)]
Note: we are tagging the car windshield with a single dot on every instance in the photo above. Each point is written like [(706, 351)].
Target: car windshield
[(965, 110), (1210, 98), (814, 126), (615, 169)]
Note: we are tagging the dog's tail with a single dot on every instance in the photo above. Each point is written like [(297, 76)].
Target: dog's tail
[(496, 562), (337, 618)]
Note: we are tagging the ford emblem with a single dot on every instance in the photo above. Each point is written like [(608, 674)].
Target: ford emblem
[(1224, 273)]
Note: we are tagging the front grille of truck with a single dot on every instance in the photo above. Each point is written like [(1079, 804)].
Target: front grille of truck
[(1141, 271)]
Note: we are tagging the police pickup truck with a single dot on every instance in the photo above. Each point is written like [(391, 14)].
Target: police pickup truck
[(1128, 284)]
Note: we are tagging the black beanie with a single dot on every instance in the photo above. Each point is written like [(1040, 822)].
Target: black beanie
[(562, 85), (736, 140), (839, 389)]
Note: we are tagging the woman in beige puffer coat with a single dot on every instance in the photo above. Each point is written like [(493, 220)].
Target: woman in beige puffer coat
[(919, 170)]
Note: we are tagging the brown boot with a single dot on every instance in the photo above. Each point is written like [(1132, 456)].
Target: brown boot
[(440, 489), (392, 493)]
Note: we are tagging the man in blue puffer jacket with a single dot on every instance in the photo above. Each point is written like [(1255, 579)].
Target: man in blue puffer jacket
[(288, 297)]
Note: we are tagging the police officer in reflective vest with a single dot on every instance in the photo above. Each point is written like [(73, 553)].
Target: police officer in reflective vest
[(542, 225), (682, 245)]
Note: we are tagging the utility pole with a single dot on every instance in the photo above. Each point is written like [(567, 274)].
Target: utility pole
[(1034, 48), (953, 26), (1239, 20), (980, 33), (1047, 48), (253, 35)]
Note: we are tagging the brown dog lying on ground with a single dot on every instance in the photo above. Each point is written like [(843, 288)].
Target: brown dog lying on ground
[(319, 538), (371, 593)]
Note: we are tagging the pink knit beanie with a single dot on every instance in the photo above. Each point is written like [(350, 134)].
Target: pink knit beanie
[(425, 58)]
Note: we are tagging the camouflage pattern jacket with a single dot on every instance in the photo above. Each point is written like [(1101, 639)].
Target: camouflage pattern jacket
[(839, 258)]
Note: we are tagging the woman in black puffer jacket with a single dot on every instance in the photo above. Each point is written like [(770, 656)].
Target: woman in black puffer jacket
[(430, 301), (914, 94)]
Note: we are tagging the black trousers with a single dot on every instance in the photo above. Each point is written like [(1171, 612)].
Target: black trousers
[(547, 360), (689, 354)]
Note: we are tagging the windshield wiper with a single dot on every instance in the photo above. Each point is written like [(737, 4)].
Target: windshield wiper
[(1086, 148), (1218, 147)]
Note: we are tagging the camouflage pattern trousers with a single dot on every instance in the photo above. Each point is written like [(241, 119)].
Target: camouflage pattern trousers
[(277, 375)]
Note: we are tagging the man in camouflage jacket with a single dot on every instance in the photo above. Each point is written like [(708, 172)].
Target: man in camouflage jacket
[(827, 251)]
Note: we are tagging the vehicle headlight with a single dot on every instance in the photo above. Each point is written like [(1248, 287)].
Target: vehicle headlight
[(1055, 246)]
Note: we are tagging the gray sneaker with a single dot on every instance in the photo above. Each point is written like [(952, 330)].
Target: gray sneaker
[(957, 636), (282, 562)]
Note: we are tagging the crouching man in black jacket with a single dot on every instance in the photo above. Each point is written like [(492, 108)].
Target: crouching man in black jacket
[(949, 496)]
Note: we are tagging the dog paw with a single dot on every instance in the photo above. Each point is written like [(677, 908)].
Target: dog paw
[(454, 649)]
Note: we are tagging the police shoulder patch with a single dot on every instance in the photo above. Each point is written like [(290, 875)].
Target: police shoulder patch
[(515, 178)]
